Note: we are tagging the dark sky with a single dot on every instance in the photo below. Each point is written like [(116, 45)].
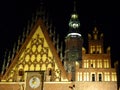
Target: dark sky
[(14, 15)]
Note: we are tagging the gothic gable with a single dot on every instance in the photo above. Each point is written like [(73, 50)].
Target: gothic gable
[(37, 53)]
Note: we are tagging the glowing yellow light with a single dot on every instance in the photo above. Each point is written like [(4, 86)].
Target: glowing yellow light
[(74, 16)]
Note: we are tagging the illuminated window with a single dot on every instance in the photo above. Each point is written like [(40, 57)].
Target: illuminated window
[(86, 76), (107, 76), (86, 63), (98, 49), (81, 76), (106, 63), (92, 49), (99, 63), (114, 78), (92, 63)]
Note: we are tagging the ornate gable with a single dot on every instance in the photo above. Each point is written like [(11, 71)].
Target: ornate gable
[(37, 53)]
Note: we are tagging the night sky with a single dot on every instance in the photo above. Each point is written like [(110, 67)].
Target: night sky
[(15, 14)]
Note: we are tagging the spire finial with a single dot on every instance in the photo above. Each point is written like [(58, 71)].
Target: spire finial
[(74, 6)]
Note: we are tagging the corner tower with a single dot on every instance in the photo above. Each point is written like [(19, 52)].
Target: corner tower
[(73, 50)]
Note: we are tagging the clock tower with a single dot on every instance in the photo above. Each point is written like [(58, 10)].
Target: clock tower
[(73, 49)]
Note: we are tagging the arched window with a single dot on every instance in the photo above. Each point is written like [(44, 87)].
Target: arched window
[(93, 77), (100, 77)]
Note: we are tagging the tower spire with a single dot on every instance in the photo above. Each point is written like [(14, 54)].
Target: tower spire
[(74, 6), (74, 22)]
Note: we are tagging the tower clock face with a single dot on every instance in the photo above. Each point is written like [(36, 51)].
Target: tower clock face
[(34, 82)]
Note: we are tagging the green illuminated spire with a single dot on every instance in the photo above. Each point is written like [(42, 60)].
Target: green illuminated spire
[(74, 22)]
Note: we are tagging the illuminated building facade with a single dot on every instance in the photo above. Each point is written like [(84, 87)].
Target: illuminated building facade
[(37, 62)]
